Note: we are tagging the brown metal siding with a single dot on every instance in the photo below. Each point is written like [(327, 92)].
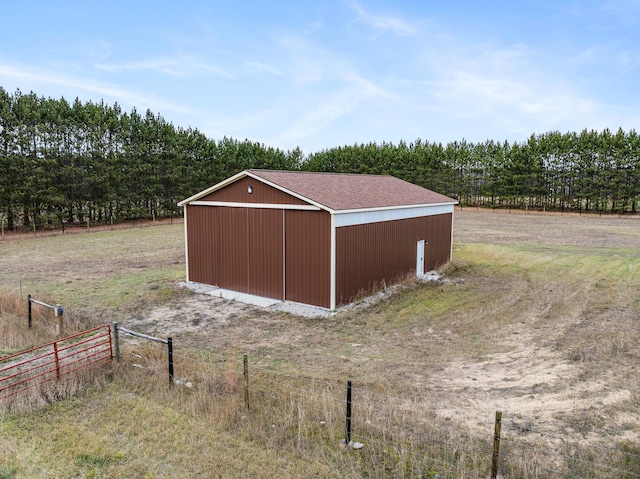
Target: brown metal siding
[(265, 273), (232, 232), (372, 254), (438, 251), (308, 256), (238, 192), (202, 244), (236, 248)]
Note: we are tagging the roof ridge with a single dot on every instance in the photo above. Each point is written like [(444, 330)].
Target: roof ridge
[(340, 191), (320, 173)]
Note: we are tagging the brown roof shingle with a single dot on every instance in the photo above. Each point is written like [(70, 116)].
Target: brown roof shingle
[(345, 191)]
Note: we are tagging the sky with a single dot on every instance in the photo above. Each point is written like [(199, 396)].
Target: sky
[(322, 74)]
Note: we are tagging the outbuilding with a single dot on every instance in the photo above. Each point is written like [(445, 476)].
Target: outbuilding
[(315, 238)]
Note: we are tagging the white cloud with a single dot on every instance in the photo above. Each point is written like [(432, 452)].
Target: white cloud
[(326, 86), (241, 125), (41, 81), (211, 69), (161, 65), (383, 22), (363, 86), (324, 112), (350, 92), (500, 91), (176, 67), (306, 61), (265, 68)]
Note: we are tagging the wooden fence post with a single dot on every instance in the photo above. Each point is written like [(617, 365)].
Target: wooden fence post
[(59, 312), (245, 361), (116, 341), (496, 445)]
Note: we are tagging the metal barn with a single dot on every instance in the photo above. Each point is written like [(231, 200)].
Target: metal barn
[(314, 238)]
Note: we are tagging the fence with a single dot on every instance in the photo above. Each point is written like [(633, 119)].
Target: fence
[(168, 342), (57, 311), (33, 367), (390, 436)]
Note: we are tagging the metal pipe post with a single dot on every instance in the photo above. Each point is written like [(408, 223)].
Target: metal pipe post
[(246, 380), (170, 350), (59, 312), (348, 439), (116, 341)]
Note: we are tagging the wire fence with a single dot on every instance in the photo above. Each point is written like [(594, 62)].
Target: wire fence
[(390, 436)]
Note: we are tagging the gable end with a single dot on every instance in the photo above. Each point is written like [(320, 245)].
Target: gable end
[(238, 192)]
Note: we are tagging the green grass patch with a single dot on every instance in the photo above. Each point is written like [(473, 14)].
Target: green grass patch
[(103, 270), (116, 433), (8, 472)]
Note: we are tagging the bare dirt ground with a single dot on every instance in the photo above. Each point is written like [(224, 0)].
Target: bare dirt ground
[(564, 367), (558, 364)]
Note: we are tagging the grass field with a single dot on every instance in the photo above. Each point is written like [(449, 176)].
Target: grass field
[(538, 319)]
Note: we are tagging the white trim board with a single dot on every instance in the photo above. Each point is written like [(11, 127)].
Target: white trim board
[(365, 217), (269, 206), (332, 265), (186, 242)]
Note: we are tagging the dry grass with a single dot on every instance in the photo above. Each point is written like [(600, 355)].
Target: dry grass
[(539, 320), (17, 336), (14, 326), (107, 274), (403, 437)]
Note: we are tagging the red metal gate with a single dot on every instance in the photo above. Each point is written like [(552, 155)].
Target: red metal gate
[(26, 369)]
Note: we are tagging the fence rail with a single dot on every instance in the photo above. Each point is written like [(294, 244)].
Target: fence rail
[(26, 369), (168, 342), (57, 311)]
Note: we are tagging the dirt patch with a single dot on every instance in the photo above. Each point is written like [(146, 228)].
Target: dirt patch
[(195, 314), (556, 355), (538, 388)]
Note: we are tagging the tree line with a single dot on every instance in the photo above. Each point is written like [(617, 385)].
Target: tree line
[(588, 171), (63, 162)]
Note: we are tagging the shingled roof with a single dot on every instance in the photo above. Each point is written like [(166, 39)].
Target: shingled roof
[(345, 191), (342, 191)]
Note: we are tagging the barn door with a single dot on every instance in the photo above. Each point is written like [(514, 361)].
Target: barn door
[(265, 273), (420, 258)]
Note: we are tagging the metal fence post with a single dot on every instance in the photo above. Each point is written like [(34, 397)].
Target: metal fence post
[(348, 425), (496, 445), (245, 361), (59, 314), (170, 351), (29, 303), (57, 359), (116, 341)]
